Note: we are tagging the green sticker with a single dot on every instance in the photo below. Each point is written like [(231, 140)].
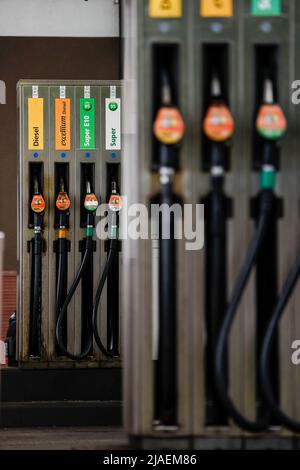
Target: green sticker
[(113, 106), (87, 124), (266, 7)]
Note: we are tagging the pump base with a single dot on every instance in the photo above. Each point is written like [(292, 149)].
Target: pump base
[(214, 443), (172, 443)]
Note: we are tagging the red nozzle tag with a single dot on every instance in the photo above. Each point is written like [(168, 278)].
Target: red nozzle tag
[(271, 123), (63, 202), (218, 123), (115, 203), (168, 126), (38, 203), (91, 202)]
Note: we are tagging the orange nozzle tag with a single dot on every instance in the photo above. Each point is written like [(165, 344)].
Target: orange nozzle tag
[(91, 202), (63, 202), (168, 126), (38, 203), (218, 123), (115, 203), (271, 122)]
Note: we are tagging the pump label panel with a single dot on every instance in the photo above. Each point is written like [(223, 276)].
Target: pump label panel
[(216, 8), (35, 123), (165, 8), (113, 123), (87, 124), (62, 124), (266, 7)]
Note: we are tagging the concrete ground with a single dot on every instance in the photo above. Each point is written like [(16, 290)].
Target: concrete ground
[(93, 438)]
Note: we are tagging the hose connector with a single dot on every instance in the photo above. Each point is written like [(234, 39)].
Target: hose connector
[(268, 177)]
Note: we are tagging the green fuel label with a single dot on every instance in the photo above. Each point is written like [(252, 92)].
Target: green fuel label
[(266, 7), (87, 124)]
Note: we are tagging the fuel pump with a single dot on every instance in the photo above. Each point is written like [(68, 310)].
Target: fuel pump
[(168, 129), (115, 205), (271, 126), (218, 126), (90, 205), (63, 205), (38, 209)]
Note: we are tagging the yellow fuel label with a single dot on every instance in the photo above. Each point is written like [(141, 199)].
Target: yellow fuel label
[(165, 8), (216, 8), (62, 124), (35, 123)]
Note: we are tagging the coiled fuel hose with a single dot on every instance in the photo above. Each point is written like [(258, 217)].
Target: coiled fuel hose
[(265, 360), (115, 204), (91, 205)]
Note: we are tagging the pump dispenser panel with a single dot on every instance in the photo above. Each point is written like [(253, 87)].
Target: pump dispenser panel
[(230, 67), (70, 149)]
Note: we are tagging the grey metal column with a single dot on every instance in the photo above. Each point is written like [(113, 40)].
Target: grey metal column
[(140, 183)]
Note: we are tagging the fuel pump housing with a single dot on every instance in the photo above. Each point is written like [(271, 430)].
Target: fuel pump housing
[(69, 134), (243, 42)]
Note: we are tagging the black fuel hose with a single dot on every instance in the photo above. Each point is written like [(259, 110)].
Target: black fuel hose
[(62, 313), (61, 272), (216, 280), (266, 204), (111, 254), (265, 364), (167, 363), (36, 286)]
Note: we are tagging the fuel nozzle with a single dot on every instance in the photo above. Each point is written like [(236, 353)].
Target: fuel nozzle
[(271, 126), (63, 204), (37, 206), (166, 95), (218, 124), (168, 126), (91, 205), (268, 93), (115, 205), (215, 87)]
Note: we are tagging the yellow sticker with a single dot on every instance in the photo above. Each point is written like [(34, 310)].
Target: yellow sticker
[(165, 8), (35, 123), (216, 8)]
